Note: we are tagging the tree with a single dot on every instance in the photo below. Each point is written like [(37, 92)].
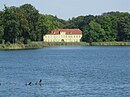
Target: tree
[(94, 33), (124, 28), (106, 23), (47, 23), (24, 26), (1, 27), (41, 28), (32, 16), (1, 33), (11, 24), (80, 22)]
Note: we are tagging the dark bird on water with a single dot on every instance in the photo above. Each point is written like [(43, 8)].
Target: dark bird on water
[(37, 83), (40, 81), (30, 83)]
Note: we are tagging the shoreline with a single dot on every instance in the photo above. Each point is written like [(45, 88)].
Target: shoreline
[(37, 45)]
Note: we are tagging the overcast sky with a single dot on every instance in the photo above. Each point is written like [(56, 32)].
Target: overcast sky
[(66, 9)]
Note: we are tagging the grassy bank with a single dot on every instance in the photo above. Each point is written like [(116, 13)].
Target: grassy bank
[(46, 44), (87, 44), (18, 46), (110, 44), (33, 45)]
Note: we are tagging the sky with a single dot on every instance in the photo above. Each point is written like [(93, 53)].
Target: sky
[(66, 9)]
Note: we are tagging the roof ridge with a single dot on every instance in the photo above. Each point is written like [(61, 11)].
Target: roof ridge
[(68, 31)]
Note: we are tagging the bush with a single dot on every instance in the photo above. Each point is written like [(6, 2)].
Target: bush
[(19, 42), (3, 41), (8, 44), (28, 41)]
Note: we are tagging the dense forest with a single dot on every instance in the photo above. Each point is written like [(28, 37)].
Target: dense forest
[(25, 23)]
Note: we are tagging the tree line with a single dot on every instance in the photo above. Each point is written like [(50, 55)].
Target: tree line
[(25, 23), (111, 26)]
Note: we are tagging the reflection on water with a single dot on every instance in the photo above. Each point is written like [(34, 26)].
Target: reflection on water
[(77, 71)]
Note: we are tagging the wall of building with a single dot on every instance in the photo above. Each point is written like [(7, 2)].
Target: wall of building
[(62, 37)]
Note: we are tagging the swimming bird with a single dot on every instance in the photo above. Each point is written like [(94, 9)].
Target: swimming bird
[(40, 81), (30, 83)]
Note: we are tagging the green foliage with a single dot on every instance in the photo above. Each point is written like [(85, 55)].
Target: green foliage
[(94, 32), (11, 24), (124, 28), (80, 22), (32, 16), (51, 22), (24, 24), (8, 44), (1, 33), (111, 26)]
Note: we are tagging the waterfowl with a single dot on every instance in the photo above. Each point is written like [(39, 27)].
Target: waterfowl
[(30, 83), (40, 81)]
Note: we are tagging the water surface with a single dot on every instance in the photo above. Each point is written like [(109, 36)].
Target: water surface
[(67, 71)]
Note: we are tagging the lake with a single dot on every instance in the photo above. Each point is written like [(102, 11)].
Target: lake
[(66, 71)]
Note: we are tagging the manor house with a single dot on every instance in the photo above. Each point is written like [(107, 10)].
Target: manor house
[(63, 35)]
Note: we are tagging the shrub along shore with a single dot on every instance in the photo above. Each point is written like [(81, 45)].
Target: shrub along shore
[(35, 45)]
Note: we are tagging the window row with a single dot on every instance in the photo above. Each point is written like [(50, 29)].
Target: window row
[(77, 36)]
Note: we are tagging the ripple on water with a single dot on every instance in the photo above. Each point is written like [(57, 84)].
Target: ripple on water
[(66, 72)]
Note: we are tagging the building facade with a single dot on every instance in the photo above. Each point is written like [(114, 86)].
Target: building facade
[(63, 35)]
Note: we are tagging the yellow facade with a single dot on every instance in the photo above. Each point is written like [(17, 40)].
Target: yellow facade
[(62, 37)]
